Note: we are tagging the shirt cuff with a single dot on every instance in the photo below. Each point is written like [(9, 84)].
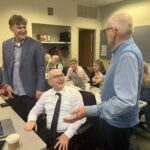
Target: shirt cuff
[(69, 133), (92, 111), (32, 118)]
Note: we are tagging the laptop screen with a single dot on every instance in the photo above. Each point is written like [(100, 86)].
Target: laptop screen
[(79, 82), (6, 127)]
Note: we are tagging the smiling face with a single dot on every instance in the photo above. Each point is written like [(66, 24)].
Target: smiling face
[(56, 79), (20, 32)]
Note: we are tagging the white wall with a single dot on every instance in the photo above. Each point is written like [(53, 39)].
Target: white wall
[(138, 9), (35, 11), (65, 13)]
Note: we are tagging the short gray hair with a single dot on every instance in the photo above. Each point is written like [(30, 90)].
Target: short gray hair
[(123, 23), (17, 20)]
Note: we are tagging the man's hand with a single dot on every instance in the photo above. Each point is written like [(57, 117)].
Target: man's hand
[(38, 94), (77, 114), (10, 91), (62, 143), (30, 125)]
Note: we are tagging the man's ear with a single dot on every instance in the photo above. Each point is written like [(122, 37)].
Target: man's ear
[(10, 28), (49, 82)]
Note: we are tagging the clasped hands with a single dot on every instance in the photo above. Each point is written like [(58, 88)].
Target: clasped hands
[(77, 114), (10, 91)]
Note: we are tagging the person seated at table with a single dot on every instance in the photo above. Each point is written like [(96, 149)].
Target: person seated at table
[(76, 70), (47, 62), (98, 71), (146, 76), (56, 63), (61, 135)]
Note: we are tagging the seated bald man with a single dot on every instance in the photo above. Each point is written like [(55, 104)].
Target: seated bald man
[(64, 136)]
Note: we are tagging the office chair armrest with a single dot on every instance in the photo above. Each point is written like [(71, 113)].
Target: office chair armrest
[(85, 127), (41, 121)]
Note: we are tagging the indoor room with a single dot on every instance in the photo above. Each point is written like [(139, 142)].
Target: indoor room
[(75, 32)]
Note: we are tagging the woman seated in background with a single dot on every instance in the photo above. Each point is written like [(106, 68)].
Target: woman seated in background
[(146, 76), (56, 63), (47, 62), (98, 72)]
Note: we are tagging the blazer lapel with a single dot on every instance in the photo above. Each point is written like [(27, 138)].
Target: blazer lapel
[(23, 53), (11, 57)]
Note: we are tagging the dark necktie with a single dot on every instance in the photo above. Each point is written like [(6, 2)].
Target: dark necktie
[(55, 117)]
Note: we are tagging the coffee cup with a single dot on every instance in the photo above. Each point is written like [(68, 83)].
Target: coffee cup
[(13, 141)]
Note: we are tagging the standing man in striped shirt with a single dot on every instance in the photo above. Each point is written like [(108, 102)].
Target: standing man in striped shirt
[(121, 87)]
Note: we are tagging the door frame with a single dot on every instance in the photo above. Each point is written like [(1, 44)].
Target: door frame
[(94, 42)]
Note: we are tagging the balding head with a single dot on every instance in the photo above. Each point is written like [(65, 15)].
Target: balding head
[(123, 23), (56, 79)]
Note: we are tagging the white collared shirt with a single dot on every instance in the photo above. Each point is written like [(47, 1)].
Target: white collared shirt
[(71, 99)]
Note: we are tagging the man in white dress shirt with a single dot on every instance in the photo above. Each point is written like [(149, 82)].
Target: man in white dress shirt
[(70, 99)]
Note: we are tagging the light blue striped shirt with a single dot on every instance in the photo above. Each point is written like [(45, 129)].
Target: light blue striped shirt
[(17, 83), (120, 92), (125, 88)]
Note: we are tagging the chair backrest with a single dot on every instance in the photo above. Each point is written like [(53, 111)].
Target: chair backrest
[(88, 98), (87, 131), (65, 69), (87, 71), (145, 93)]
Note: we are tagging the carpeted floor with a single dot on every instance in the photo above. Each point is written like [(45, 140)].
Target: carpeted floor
[(143, 139)]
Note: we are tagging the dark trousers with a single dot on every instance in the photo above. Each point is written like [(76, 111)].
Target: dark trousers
[(22, 105), (45, 135), (117, 138)]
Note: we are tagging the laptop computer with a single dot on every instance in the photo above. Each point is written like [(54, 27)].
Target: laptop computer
[(79, 82), (6, 128)]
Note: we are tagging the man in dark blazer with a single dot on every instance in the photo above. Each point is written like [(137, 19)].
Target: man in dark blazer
[(24, 69)]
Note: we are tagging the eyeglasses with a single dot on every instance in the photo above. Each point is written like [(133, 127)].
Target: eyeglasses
[(57, 76), (107, 29)]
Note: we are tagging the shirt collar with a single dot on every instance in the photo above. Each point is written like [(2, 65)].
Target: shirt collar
[(124, 42), (61, 92), (17, 44)]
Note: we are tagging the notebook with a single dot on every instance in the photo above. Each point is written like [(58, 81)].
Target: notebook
[(6, 128), (78, 81)]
